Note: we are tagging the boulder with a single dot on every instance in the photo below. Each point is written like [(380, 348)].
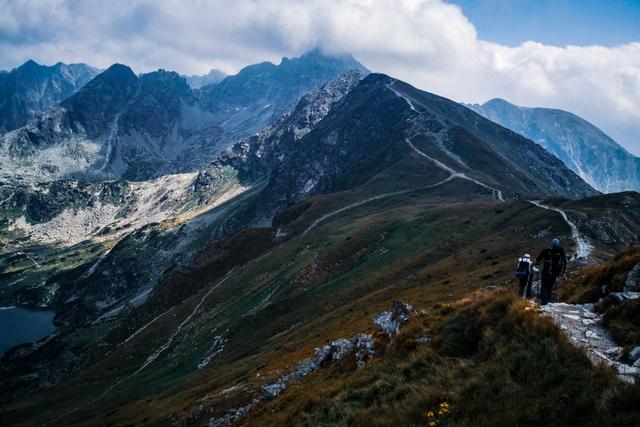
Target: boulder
[(390, 321), (633, 279), (634, 354)]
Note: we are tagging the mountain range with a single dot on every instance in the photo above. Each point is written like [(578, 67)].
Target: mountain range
[(584, 148), (120, 126), (227, 254), (31, 89)]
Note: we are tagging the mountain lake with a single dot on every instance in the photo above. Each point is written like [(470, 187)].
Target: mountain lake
[(20, 325)]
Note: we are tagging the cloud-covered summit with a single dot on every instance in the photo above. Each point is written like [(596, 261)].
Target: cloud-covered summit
[(427, 42)]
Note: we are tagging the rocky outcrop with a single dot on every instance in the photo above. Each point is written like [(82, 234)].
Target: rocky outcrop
[(361, 347), (390, 321), (584, 329)]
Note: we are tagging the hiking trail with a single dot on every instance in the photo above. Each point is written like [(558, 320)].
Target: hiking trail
[(584, 329), (497, 193), (585, 248), (371, 199), (579, 322)]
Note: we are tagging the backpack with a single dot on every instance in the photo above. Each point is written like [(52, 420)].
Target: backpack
[(556, 258), (523, 268)]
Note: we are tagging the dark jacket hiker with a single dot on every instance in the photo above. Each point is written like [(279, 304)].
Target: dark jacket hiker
[(554, 264)]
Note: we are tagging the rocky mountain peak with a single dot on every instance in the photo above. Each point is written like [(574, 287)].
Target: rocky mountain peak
[(163, 81), (30, 66), (31, 89), (100, 100), (583, 148), (212, 77)]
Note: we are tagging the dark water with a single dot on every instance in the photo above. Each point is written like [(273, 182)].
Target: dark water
[(22, 325)]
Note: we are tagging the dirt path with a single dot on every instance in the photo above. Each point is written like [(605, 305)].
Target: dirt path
[(584, 329), (452, 175), (579, 322), (585, 248), (497, 193), (371, 199)]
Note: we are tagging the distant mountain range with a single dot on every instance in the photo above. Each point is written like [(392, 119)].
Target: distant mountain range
[(123, 126), (213, 76), (584, 148), (259, 94), (31, 89)]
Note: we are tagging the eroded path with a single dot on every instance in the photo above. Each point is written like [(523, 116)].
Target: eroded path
[(579, 322), (497, 193), (584, 329), (452, 175), (585, 248), (315, 223)]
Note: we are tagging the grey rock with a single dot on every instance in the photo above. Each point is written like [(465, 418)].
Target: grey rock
[(272, 390), (634, 354), (633, 279), (32, 89), (390, 321), (333, 351), (363, 347), (231, 416)]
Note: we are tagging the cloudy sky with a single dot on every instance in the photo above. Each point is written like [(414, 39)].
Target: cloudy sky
[(582, 55)]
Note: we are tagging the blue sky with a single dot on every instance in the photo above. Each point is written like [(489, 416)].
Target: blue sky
[(556, 22), (580, 56)]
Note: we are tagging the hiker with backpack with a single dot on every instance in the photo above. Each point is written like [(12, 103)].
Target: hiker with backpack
[(524, 273), (554, 262)]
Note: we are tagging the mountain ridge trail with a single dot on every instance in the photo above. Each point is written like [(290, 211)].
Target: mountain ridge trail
[(585, 248), (497, 193), (579, 322), (371, 199)]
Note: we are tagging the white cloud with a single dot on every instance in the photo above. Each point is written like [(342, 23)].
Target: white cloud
[(428, 43)]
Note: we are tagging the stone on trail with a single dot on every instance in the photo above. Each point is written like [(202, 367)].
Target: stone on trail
[(634, 354), (586, 330), (633, 279)]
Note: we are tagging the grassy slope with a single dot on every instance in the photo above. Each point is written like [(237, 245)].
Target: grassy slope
[(428, 248), (491, 361)]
